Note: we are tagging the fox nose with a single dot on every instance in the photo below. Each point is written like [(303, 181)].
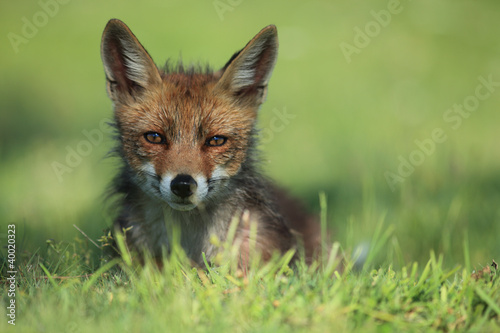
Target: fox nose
[(183, 186)]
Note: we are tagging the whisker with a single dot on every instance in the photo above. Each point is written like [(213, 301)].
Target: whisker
[(217, 179)]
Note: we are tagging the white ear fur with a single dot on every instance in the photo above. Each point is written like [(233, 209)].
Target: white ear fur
[(126, 63), (135, 62), (245, 74), (248, 72)]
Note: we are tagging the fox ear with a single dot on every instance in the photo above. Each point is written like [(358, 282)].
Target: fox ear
[(248, 71), (128, 66)]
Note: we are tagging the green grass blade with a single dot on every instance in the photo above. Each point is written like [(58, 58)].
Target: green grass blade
[(106, 267), (487, 299), (49, 276)]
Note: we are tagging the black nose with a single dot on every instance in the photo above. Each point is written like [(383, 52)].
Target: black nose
[(183, 186)]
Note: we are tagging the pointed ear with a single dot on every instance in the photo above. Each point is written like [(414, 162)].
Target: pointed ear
[(128, 66), (247, 73)]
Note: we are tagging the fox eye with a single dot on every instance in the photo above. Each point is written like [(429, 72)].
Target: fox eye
[(216, 141), (153, 137)]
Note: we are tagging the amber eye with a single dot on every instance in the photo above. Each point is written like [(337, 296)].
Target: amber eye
[(216, 141), (154, 137)]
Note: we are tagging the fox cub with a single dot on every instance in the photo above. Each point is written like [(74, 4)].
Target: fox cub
[(188, 138)]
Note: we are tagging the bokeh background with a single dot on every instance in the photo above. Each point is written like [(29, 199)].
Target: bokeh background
[(353, 114)]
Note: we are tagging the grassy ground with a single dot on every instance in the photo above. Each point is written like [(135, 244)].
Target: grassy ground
[(357, 119), (62, 293)]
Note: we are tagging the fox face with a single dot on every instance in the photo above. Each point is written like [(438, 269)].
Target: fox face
[(185, 134)]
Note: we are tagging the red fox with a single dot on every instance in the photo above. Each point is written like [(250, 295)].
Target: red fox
[(188, 141)]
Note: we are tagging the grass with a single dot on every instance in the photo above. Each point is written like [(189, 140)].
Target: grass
[(349, 124), (270, 297)]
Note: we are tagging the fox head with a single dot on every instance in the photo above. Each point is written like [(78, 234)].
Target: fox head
[(185, 134)]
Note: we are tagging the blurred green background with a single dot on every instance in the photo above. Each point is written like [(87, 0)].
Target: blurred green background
[(353, 116)]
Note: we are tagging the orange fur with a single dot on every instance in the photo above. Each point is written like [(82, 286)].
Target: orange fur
[(188, 142)]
